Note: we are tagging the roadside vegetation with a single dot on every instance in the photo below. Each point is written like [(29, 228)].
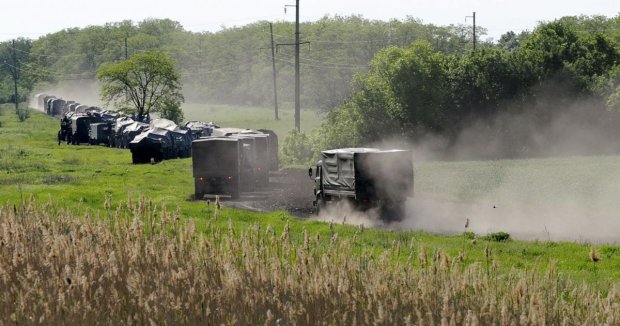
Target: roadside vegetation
[(140, 263)]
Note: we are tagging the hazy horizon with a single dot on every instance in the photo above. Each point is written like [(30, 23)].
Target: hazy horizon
[(498, 17)]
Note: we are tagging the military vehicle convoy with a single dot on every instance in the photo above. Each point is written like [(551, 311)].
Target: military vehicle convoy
[(231, 161), (157, 140), (366, 178)]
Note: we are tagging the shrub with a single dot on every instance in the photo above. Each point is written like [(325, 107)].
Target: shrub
[(497, 237), (297, 149), (469, 235), (23, 114)]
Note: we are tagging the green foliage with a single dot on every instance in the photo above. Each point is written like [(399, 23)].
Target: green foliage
[(411, 92), (146, 82), (23, 113), (497, 237), (17, 64), (469, 235), (224, 67), (172, 111), (298, 149)]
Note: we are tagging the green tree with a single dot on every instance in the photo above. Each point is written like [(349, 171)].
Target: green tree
[(146, 82)]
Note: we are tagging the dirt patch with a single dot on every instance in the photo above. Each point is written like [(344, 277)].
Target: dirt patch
[(289, 190)]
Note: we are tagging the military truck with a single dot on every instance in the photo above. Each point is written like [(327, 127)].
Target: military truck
[(80, 128), (116, 134), (200, 128), (181, 143), (222, 165), (261, 156), (273, 149), (56, 107), (99, 133), (367, 178)]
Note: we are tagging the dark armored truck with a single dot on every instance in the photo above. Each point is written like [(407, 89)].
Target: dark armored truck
[(222, 165), (367, 178), (80, 127), (99, 133), (153, 143)]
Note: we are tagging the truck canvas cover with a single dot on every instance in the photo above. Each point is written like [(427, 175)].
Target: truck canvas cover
[(219, 132), (214, 154), (343, 168), (164, 124), (151, 136)]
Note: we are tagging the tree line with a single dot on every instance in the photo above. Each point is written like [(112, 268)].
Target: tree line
[(377, 79), (554, 91), (232, 66)]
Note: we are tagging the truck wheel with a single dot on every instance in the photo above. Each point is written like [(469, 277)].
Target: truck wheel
[(135, 158)]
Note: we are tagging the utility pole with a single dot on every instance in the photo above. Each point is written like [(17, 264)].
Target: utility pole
[(474, 19), (297, 104), (273, 65), (15, 74), (126, 51), (297, 43)]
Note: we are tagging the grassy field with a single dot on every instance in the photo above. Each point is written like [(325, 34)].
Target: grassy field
[(95, 181), (253, 117)]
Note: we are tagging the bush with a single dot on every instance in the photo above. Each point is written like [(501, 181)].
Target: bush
[(297, 149), (497, 237), (23, 114), (469, 235)]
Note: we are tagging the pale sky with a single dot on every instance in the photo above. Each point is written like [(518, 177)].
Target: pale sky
[(34, 18)]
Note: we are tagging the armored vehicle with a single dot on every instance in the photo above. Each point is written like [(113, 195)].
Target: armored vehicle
[(200, 128), (153, 143), (181, 143), (80, 128), (99, 133), (367, 178), (57, 107), (131, 131)]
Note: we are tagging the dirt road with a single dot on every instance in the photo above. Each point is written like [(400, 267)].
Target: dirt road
[(289, 190)]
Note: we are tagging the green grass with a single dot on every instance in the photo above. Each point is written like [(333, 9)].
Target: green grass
[(79, 178), (253, 117)]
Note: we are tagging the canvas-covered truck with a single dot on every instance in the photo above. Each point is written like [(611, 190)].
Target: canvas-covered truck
[(222, 165), (367, 178)]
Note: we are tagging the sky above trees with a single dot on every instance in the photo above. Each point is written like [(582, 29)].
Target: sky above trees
[(34, 18)]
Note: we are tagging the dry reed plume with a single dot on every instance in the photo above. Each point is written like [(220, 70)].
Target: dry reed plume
[(140, 264)]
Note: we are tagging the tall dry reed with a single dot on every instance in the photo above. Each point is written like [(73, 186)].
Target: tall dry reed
[(141, 264)]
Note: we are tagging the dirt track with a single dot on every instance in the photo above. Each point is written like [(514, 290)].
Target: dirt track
[(289, 190)]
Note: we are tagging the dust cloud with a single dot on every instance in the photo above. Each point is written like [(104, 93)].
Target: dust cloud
[(82, 91), (342, 212), (558, 194), (544, 174)]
